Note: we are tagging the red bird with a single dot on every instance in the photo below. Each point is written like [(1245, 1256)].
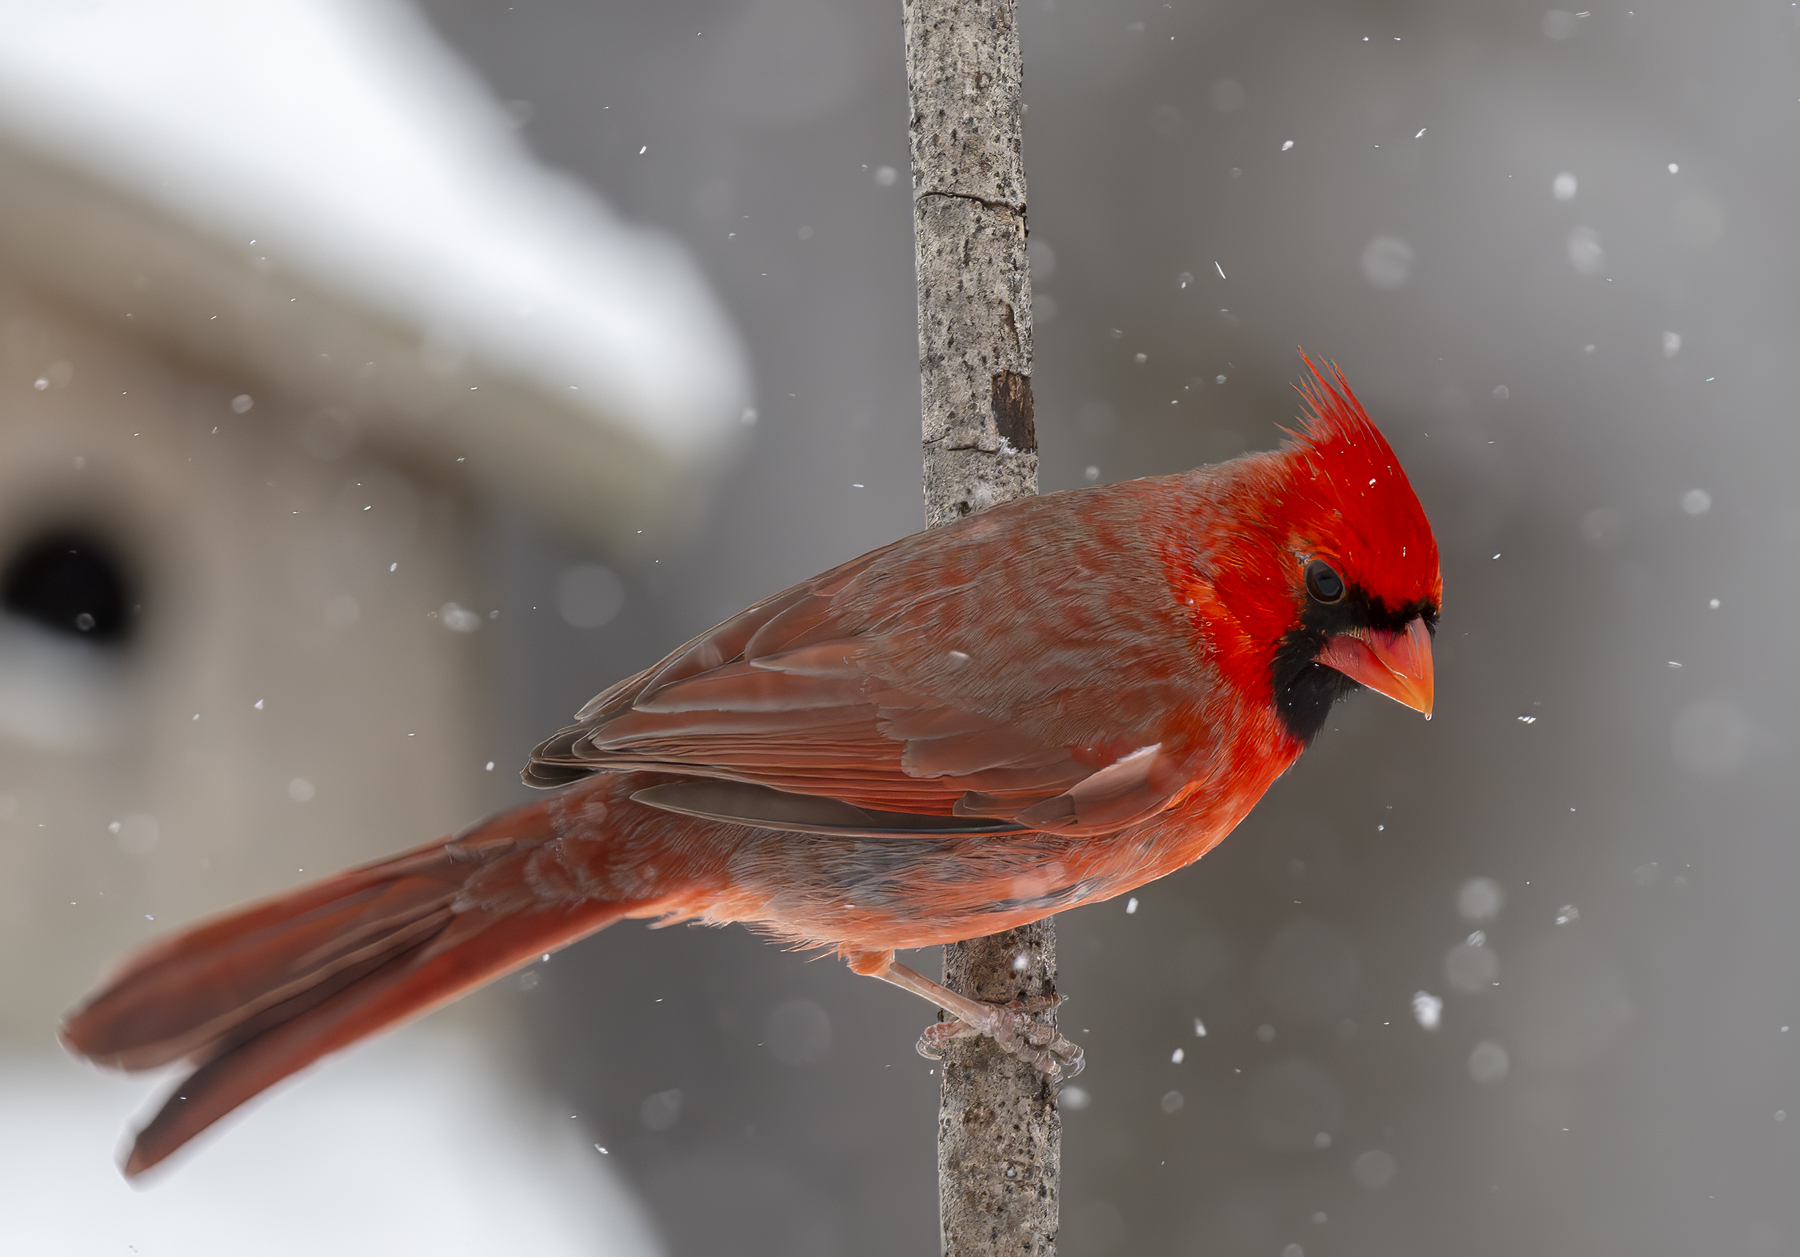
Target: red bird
[(1043, 705)]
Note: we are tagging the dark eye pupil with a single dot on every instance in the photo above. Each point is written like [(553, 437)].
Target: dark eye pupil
[(1323, 583)]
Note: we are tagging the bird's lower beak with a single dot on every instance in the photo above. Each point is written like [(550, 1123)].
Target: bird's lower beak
[(1397, 664)]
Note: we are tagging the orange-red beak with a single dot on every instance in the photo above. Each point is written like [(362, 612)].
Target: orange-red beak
[(1397, 664)]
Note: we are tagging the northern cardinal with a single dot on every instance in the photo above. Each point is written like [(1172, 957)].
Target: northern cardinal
[(1043, 705)]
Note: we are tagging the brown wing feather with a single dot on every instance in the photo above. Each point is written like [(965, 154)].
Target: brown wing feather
[(921, 679)]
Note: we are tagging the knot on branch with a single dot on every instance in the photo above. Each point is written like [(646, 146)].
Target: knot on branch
[(1013, 417)]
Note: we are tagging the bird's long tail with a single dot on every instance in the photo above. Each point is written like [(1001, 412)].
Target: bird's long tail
[(261, 992)]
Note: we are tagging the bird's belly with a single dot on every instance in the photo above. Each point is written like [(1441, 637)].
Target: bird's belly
[(879, 893)]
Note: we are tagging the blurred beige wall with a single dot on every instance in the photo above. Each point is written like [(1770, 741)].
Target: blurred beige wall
[(292, 695)]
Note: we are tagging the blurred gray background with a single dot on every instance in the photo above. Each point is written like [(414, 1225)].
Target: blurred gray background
[(1518, 980), (1497, 220), (1555, 253)]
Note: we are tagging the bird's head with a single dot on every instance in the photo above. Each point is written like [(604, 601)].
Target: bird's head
[(1339, 584)]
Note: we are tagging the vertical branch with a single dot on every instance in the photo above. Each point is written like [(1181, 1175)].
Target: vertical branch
[(963, 78), (999, 1133)]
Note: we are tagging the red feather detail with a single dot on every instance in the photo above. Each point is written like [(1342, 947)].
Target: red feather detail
[(1382, 539)]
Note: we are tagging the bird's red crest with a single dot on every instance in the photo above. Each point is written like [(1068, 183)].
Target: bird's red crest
[(1368, 518)]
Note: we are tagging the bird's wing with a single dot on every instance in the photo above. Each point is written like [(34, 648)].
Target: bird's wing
[(1012, 671)]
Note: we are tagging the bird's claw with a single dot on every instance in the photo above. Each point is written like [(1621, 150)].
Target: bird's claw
[(1012, 1028)]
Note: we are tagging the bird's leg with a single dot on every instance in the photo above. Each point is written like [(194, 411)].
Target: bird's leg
[(1009, 1025)]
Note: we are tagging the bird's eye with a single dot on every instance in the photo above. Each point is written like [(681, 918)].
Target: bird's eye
[(1323, 582)]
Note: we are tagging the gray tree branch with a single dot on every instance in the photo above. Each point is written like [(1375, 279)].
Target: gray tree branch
[(999, 1133)]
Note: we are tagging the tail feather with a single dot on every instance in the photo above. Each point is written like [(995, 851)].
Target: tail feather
[(372, 996), (170, 1000), (258, 994)]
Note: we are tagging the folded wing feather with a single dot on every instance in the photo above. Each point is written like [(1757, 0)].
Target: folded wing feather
[(818, 693)]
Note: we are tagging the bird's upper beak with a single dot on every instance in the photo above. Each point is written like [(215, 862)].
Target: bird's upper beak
[(1397, 664)]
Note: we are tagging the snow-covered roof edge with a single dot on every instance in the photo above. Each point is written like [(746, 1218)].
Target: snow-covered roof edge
[(333, 157)]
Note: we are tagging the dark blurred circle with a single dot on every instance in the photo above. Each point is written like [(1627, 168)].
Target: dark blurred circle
[(71, 581)]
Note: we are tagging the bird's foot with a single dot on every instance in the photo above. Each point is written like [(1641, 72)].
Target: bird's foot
[(1009, 1025), (1012, 1028)]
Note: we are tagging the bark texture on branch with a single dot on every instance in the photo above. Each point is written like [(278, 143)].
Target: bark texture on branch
[(968, 178), (999, 1133)]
